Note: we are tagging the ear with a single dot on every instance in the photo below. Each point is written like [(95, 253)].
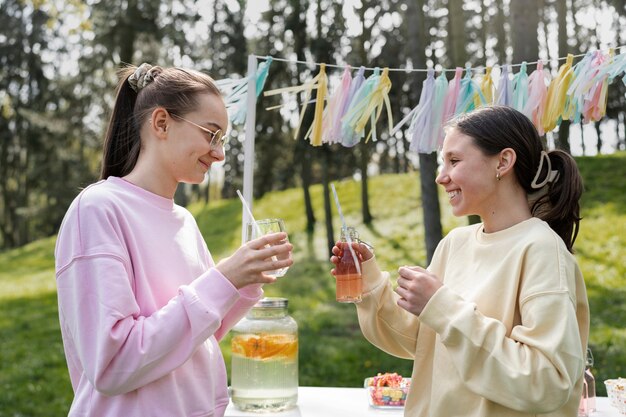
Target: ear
[(159, 120), (506, 161)]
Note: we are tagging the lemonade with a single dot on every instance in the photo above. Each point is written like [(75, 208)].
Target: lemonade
[(264, 371)]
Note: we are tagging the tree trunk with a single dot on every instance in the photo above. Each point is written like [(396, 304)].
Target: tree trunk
[(302, 148), (456, 31), (562, 141), (364, 147), (430, 203), (305, 175), (322, 53), (582, 140), (363, 162), (428, 162), (525, 24), (599, 133), (330, 239), (500, 32)]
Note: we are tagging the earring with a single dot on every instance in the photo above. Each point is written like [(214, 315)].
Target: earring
[(497, 176)]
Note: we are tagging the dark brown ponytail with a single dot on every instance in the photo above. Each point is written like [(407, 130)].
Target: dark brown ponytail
[(122, 142), (560, 206)]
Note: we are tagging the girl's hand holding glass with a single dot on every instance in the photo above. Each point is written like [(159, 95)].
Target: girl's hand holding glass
[(262, 228), (250, 262)]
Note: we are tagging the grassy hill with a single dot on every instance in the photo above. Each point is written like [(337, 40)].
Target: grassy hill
[(33, 376)]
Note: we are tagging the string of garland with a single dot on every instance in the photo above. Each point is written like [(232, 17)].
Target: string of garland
[(577, 93)]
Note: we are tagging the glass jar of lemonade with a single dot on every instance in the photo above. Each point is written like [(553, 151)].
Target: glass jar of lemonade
[(264, 360)]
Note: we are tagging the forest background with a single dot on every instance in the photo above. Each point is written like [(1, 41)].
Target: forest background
[(57, 76)]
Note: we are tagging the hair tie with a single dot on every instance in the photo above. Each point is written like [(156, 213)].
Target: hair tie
[(552, 176), (143, 75)]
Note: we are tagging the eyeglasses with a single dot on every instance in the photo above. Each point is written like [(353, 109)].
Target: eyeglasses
[(218, 138)]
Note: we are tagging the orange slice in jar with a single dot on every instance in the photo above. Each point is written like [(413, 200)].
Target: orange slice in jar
[(265, 346)]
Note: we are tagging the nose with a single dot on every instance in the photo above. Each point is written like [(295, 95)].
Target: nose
[(442, 177), (217, 153)]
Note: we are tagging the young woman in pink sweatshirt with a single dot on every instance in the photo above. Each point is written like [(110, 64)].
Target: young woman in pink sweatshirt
[(142, 305), (497, 325)]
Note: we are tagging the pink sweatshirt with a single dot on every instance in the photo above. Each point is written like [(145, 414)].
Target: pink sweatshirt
[(142, 307)]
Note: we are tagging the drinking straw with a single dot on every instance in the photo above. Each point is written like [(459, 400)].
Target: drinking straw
[(344, 226), (247, 208), (259, 232)]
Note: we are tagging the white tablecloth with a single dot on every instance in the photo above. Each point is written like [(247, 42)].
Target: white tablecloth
[(352, 402)]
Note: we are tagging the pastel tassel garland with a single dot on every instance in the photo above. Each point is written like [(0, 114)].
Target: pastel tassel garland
[(578, 93)]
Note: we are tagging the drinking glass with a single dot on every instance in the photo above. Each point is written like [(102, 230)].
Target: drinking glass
[(264, 227)]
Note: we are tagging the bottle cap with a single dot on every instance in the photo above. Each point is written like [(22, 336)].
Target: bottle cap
[(272, 302)]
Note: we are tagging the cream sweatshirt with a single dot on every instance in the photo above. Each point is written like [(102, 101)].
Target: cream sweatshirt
[(504, 336)]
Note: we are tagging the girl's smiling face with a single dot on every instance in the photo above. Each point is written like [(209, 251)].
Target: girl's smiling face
[(191, 153), (468, 175)]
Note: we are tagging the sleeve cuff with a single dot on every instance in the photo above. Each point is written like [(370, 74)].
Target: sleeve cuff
[(442, 309), (215, 290), (373, 277), (252, 292)]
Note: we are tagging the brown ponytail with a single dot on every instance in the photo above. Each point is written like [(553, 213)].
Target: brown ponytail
[(122, 142), (494, 128), (175, 89), (560, 206)]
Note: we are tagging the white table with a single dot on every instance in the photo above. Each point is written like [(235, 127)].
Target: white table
[(352, 402)]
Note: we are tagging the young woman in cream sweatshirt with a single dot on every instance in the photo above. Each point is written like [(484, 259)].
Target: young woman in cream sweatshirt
[(497, 325)]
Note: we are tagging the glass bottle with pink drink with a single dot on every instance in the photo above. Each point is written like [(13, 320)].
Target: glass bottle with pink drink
[(348, 269)]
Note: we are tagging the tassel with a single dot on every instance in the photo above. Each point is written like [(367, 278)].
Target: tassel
[(537, 94), (470, 95), (235, 92), (520, 88), (436, 122), (486, 86), (452, 96), (557, 95), (355, 85), (420, 130), (336, 104), (307, 88), (375, 102), (505, 88), (322, 86), (351, 136)]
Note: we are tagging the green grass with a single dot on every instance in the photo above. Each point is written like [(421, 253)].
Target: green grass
[(33, 374)]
